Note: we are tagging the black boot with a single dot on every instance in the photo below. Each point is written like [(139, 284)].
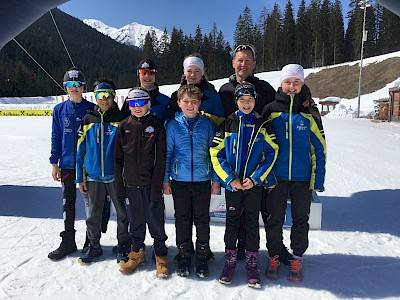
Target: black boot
[(202, 250), (184, 258), (67, 246)]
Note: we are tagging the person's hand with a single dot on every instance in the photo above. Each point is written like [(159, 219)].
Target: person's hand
[(248, 184), (55, 172), (317, 190), (236, 185), (83, 187), (167, 188), (215, 188)]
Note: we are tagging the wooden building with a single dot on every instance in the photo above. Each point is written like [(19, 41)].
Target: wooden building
[(328, 104), (394, 104)]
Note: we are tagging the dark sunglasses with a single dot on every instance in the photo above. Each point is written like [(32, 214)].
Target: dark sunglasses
[(71, 84), (138, 102), (146, 72)]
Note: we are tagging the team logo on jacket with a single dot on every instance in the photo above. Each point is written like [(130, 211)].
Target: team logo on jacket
[(301, 126), (66, 125), (108, 131), (149, 129)]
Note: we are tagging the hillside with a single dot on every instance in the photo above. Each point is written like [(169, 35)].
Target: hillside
[(342, 81)]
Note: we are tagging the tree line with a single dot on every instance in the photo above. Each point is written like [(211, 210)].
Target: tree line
[(316, 36)]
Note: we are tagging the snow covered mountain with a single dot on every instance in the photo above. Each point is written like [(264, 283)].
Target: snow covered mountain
[(132, 34)]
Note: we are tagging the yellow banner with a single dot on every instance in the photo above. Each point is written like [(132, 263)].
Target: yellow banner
[(25, 112)]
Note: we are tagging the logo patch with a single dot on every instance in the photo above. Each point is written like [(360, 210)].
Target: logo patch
[(149, 129), (302, 126)]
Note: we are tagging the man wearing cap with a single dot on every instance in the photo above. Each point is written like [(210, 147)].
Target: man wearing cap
[(95, 169), (67, 117), (244, 63), (146, 72)]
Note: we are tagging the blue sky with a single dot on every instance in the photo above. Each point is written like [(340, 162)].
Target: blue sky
[(179, 13)]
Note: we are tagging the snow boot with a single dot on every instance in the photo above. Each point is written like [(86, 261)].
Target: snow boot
[(184, 259), (202, 250), (272, 272), (66, 247), (253, 275), (136, 259), (229, 267), (122, 254), (88, 257), (241, 246), (295, 274), (161, 266), (285, 255)]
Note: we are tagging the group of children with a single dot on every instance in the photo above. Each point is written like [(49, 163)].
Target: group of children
[(137, 157)]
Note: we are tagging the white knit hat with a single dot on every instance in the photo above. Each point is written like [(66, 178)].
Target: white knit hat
[(292, 70), (193, 61)]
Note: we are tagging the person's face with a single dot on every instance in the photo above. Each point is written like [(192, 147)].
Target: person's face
[(139, 111), (193, 75), (246, 104), (147, 78), (105, 103), (291, 85), (75, 93), (189, 106), (244, 64)]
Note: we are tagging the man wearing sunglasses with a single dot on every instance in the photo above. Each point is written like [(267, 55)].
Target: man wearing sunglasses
[(67, 117), (146, 72), (95, 170)]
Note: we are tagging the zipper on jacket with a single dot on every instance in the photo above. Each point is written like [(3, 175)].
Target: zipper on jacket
[(191, 150), (238, 146), (290, 137), (102, 143), (252, 141)]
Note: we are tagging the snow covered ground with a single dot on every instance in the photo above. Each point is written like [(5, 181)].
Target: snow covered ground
[(356, 255)]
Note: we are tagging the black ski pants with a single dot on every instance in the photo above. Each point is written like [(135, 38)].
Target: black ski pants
[(141, 211), (300, 195), (192, 205), (68, 186), (237, 203)]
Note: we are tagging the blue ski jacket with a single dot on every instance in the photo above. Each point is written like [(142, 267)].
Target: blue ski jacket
[(261, 155), (188, 156), (67, 117), (301, 140), (95, 149)]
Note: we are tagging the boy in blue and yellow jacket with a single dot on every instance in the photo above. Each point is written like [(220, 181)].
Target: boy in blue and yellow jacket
[(95, 169), (299, 168), (242, 154)]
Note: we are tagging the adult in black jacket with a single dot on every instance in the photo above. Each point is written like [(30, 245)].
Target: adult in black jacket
[(244, 62)]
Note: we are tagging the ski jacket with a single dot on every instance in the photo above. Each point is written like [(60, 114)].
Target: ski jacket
[(301, 140), (265, 94), (140, 153), (95, 154), (66, 120), (227, 146), (159, 103), (188, 151), (210, 102)]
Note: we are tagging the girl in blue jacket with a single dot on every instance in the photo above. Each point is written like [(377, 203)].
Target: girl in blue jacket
[(187, 177)]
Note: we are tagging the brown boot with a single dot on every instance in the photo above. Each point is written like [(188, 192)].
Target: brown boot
[(162, 267), (136, 259)]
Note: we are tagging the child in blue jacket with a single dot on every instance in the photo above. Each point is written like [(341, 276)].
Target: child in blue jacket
[(188, 177), (242, 154), (299, 168)]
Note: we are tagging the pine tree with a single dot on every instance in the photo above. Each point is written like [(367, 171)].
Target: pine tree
[(244, 28), (273, 34), (303, 36), (287, 40), (337, 33)]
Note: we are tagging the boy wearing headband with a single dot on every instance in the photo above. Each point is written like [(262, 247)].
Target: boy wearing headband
[(95, 169), (140, 152), (243, 153)]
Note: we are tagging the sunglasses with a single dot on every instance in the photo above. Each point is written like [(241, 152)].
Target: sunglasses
[(243, 48), (245, 90), (146, 72), (104, 94), (71, 84), (138, 102)]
